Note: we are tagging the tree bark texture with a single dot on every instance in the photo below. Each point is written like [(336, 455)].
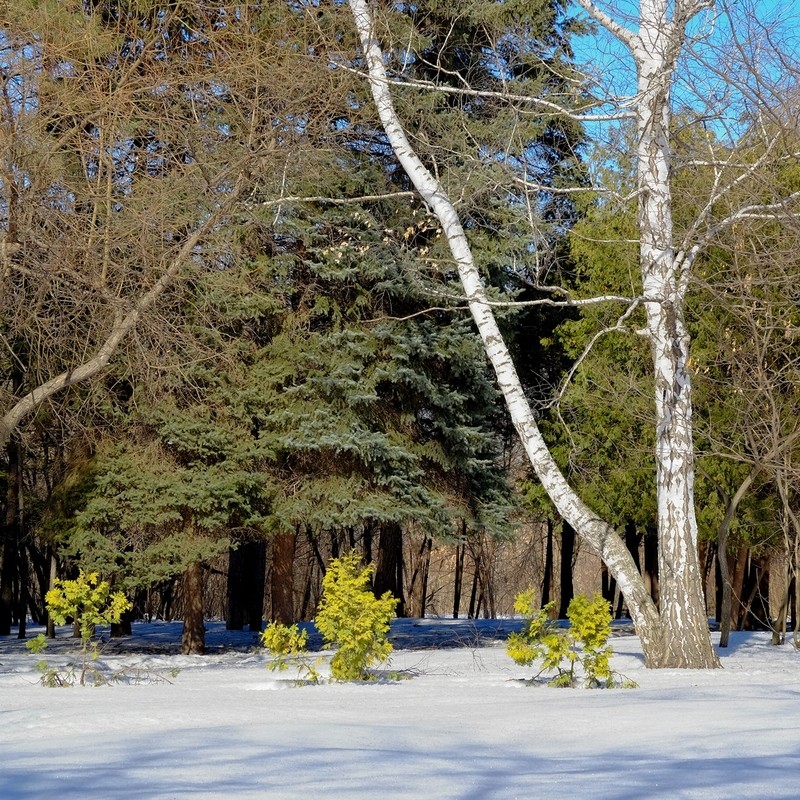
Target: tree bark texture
[(655, 49), (389, 566), (282, 584), (193, 639)]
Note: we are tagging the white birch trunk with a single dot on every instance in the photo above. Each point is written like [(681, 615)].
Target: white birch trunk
[(597, 533), (683, 612)]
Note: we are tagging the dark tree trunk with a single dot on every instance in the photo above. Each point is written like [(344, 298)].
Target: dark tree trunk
[(51, 626), (10, 538), (425, 573), (418, 585), (335, 550), (651, 563), (235, 589), (473, 596), (632, 541), (193, 640), (245, 586), (755, 615), (367, 542), (608, 586), (547, 577), (8, 570), (123, 627), (389, 569), (461, 550), (567, 556), (22, 592), (735, 609), (307, 588), (284, 546), (257, 578)]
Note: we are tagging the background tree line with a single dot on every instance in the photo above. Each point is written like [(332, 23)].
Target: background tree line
[(232, 337)]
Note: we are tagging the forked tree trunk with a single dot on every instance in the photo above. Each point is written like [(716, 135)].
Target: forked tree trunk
[(679, 636), (193, 639)]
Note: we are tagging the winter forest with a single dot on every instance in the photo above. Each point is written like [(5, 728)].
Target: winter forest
[(497, 295)]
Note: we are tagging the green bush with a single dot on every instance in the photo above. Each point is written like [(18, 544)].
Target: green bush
[(354, 621), (287, 643), (87, 601), (351, 620), (584, 644)]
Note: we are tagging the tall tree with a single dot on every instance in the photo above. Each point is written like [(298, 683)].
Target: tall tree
[(678, 634)]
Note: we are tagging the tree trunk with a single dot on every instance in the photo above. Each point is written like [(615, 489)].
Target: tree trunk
[(193, 639), (664, 281), (245, 586), (234, 613), (608, 586), (418, 585), (284, 545), (51, 626), (547, 577), (256, 582), (567, 555), (736, 605), (586, 523), (10, 538), (458, 582), (651, 564), (389, 569), (426, 569)]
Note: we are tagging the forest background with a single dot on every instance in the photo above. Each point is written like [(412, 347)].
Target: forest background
[(234, 344)]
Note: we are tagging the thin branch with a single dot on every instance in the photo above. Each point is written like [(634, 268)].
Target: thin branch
[(625, 35), (550, 106), (619, 325), (758, 211), (334, 201)]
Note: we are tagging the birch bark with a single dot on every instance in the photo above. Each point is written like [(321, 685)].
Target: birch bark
[(599, 535), (683, 612)]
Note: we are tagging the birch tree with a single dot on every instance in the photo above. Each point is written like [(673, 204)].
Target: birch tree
[(676, 634)]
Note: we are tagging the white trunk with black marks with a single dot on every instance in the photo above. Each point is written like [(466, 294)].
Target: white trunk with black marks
[(686, 638), (597, 533)]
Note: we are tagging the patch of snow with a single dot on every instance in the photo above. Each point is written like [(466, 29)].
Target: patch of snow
[(466, 726)]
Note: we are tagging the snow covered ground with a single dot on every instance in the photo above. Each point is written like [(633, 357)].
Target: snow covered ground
[(466, 726)]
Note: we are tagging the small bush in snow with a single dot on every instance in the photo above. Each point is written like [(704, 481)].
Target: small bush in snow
[(351, 620), (287, 643), (584, 644), (87, 601)]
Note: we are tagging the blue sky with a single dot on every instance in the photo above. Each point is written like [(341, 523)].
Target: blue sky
[(697, 85)]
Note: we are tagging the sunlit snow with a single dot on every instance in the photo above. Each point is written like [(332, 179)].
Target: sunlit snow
[(465, 726)]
